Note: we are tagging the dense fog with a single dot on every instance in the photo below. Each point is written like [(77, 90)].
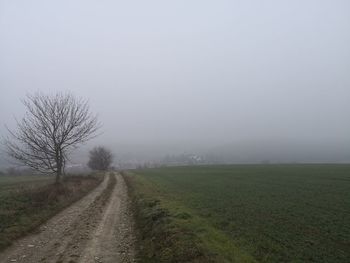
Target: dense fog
[(227, 81)]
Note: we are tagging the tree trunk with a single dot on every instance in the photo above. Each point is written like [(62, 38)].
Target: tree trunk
[(58, 175), (59, 171), (59, 163)]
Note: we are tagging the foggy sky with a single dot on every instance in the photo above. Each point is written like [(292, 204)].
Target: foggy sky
[(262, 79)]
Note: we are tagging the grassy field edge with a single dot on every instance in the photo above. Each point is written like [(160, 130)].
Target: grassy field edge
[(169, 232)]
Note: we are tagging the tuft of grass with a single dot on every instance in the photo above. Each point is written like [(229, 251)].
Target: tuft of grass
[(27, 202)]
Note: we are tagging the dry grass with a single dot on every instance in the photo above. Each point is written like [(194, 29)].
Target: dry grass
[(24, 207)]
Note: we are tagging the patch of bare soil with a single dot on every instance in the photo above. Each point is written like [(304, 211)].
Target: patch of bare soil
[(98, 228), (113, 239)]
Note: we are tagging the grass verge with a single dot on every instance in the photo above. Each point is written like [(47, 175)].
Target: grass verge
[(24, 207), (168, 231)]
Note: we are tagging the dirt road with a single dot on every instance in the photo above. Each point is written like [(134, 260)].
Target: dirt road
[(98, 228)]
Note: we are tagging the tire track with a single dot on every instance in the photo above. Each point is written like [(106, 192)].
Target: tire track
[(113, 239)]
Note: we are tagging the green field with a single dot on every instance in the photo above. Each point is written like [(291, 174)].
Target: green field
[(243, 213), (7, 182), (28, 201)]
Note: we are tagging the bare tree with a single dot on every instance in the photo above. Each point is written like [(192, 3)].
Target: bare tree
[(100, 159), (52, 127)]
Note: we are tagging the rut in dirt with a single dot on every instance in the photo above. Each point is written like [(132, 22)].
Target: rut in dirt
[(98, 228)]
